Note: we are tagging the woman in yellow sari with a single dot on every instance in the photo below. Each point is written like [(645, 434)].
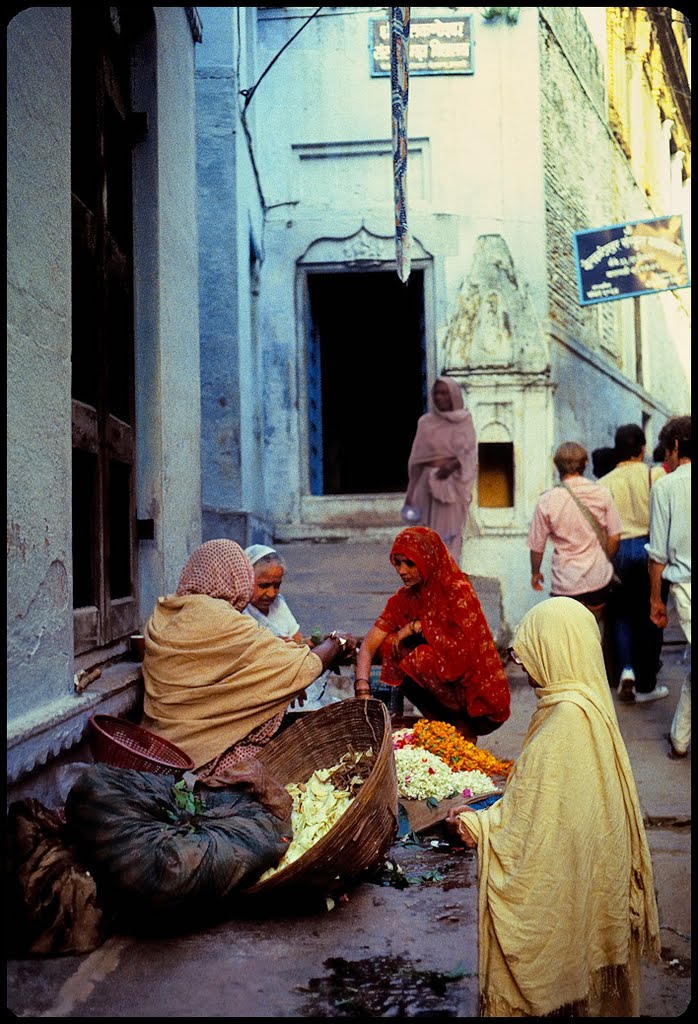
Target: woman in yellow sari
[(566, 896)]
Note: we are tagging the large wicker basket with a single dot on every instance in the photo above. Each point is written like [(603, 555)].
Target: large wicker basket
[(120, 743), (360, 838)]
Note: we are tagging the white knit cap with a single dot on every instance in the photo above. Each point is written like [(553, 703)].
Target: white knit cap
[(256, 551)]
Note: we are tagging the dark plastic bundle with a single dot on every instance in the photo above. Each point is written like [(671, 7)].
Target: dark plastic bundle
[(166, 851)]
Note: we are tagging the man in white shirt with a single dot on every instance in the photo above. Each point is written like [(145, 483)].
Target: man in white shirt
[(669, 551)]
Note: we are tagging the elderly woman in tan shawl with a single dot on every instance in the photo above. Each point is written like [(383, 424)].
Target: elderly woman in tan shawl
[(217, 683), (566, 896), (442, 466)]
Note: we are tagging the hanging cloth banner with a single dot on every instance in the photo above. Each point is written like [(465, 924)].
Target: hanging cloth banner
[(399, 89)]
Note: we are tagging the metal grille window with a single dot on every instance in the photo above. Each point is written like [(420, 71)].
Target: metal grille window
[(104, 548)]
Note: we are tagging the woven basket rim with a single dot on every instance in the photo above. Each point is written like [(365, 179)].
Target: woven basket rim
[(292, 873), (178, 759)]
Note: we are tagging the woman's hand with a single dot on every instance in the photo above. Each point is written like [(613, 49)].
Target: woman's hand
[(459, 828), (362, 689), (337, 647), (445, 467), (348, 648), (299, 699)]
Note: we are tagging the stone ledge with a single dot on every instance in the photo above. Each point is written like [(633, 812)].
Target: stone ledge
[(35, 740)]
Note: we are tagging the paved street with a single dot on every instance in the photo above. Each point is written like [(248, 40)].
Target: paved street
[(388, 951)]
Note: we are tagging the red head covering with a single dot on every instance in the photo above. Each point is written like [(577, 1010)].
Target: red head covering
[(425, 548), (219, 568), (459, 663)]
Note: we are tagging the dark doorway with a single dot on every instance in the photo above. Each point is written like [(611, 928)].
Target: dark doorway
[(366, 379)]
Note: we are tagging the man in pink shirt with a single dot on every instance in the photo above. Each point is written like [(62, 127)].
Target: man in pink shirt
[(581, 566)]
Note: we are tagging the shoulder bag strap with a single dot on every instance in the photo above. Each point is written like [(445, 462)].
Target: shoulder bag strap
[(591, 518)]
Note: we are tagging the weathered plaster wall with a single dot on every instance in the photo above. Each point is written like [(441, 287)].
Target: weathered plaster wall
[(589, 183), (475, 168), (168, 413), (180, 409), (39, 590)]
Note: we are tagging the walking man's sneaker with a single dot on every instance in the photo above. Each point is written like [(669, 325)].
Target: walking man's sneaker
[(674, 752), (656, 694), (626, 686)]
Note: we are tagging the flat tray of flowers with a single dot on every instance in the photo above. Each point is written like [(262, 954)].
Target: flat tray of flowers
[(437, 770)]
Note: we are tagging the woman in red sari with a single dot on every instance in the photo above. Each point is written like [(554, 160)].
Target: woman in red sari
[(434, 641)]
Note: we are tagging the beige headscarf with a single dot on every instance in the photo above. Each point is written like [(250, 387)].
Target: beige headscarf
[(221, 569), (566, 897)]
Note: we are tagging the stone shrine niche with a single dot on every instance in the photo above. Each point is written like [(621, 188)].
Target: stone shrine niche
[(496, 479), (494, 326)]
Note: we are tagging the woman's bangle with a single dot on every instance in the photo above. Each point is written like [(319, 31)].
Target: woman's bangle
[(361, 681)]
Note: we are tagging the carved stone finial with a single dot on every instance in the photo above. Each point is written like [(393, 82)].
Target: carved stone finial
[(494, 325)]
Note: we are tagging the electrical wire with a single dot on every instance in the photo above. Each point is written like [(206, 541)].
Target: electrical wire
[(249, 93)]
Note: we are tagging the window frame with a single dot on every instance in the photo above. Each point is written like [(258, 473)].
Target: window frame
[(103, 353)]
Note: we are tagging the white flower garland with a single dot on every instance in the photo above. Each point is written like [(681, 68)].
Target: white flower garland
[(421, 774)]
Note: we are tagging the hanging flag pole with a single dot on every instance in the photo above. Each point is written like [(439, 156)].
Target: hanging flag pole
[(399, 89)]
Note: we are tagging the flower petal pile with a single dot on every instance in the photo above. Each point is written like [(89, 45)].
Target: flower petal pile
[(460, 754), (320, 802), (422, 774), (402, 738)]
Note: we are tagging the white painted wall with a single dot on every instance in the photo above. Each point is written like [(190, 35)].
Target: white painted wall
[(326, 169)]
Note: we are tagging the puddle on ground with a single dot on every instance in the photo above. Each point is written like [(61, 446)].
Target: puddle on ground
[(382, 987)]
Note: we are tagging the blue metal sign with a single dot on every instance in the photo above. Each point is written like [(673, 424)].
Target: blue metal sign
[(637, 258)]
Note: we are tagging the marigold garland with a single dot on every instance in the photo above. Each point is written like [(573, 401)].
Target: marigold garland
[(459, 754)]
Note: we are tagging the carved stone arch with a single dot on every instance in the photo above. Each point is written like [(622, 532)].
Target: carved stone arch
[(363, 249), (494, 432)]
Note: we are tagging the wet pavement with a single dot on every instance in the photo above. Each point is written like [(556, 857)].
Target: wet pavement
[(403, 942)]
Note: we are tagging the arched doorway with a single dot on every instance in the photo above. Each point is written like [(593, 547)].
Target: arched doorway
[(366, 378)]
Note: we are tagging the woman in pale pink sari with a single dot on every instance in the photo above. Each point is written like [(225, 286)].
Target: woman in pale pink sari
[(442, 465)]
